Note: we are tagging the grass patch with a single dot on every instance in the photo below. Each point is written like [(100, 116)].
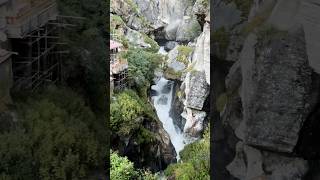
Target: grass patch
[(183, 54)]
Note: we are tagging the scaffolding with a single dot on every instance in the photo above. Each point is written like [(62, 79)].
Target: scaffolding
[(39, 58), (120, 80), (40, 52)]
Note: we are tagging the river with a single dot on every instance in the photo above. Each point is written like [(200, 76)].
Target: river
[(162, 101)]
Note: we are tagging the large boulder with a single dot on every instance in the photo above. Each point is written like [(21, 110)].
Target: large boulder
[(276, 83), (173, 60), (201, 54), (136, 38), (194, 121), (188, 30), (196, 90)]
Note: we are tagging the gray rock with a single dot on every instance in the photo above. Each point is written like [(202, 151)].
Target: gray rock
[(282, 167), (170, 45), (188, 30), (173, 62), (225, 15), (196, 90), (201, 55), (200, 7), (275, 89), (136, 38), (250, 163), (237, 167), (171, 30), (233, 79), (194, 121), (290, 13)]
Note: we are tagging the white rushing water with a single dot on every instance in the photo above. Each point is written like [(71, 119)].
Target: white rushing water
[(162, 103), (162, 51)]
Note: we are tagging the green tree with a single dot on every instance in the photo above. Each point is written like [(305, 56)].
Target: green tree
[(122, 168), (194, 164)]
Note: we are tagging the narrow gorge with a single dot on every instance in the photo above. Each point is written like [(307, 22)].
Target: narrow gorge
[(167, 45)]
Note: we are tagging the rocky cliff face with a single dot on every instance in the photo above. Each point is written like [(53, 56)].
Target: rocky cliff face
[(156, 153), (270, 96), (195, 76), (174, 20)]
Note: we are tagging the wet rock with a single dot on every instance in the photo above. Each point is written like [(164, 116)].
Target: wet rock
[(155, 155), (173, 60), (177, 107), (170, 45), (167, 88), (194, 121), (153, 92)]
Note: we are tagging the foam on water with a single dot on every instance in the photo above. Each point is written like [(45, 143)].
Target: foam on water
[(162, 103)]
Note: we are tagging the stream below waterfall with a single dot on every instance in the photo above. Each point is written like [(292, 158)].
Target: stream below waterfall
[(162, 101)]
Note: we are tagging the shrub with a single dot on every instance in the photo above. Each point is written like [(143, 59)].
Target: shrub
[(154, 45), (125, 111), (121, 168), (57, 138), (194, 162), (183, 54)]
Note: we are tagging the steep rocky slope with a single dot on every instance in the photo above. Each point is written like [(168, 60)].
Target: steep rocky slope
[(268, 101), (183, 26)]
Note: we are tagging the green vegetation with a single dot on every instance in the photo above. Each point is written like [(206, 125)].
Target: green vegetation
[(115, 21), (221, 38), (125, 111), (121, 168), (86, 62), (170, 73), (154, 45), (141, 68), (57, 137), (183, 54), (194, 164)]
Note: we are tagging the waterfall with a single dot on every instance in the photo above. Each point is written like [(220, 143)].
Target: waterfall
[(162, 103)]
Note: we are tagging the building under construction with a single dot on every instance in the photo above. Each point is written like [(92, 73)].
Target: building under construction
[(29, 44)]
